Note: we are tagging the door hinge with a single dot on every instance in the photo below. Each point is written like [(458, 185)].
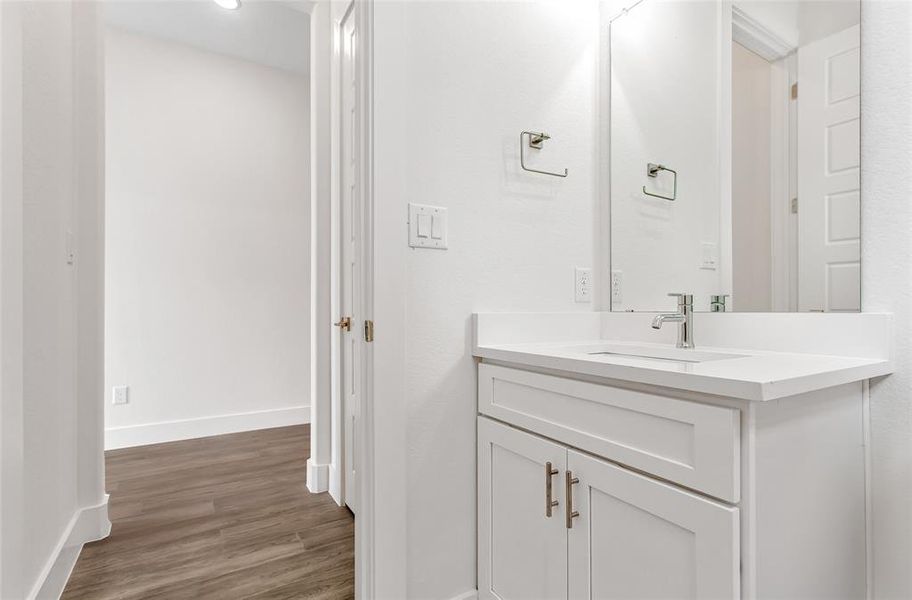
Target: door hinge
[(368, 331), (794, 206), (795, 91)]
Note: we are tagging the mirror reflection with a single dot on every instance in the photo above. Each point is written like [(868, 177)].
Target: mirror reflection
[(734, 155)]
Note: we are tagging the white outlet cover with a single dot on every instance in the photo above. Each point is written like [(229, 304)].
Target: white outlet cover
[(120, 394), (709, 256), (617, 287), (582, 277), (427, 226)]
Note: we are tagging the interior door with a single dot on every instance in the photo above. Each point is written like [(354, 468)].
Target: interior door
[(829, 277), (350, 279), (636, 537), (522, 552)]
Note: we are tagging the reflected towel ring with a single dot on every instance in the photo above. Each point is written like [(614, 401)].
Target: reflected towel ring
[(652, 170)]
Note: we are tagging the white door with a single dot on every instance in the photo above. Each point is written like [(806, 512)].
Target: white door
[(522, 552), (350, 276), (636, 537), (829, 276)]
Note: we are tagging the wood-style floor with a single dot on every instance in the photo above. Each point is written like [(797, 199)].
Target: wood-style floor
[(221, 517)]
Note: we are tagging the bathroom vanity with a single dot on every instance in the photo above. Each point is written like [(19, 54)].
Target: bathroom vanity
[(701, 453), (612, 464)]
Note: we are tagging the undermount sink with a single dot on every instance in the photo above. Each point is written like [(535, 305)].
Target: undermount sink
[(687, 355)]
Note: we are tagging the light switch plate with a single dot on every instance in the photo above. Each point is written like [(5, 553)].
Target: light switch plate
[(427, 226)]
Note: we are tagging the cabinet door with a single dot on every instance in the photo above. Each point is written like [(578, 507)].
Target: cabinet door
[(522, 552), (636, 537)]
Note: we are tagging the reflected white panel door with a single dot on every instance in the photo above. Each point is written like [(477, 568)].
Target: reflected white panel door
[(636, 537), (522, 552), (350, 280), (829, 277)]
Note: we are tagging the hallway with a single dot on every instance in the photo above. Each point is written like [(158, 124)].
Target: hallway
[(220, 517)]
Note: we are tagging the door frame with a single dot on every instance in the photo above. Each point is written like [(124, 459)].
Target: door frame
[(365, 522), (783, 177), (364, 526)]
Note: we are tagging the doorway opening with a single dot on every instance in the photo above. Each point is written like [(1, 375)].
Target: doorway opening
[(208, 336), (795, 158)]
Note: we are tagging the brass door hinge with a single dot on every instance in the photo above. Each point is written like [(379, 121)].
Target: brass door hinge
[(794, 206), (795, 91), (368, 331)]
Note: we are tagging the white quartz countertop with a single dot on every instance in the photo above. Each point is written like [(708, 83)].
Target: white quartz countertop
[(752, 375)]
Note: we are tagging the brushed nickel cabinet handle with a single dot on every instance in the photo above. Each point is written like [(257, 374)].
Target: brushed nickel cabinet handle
[(549, 503), (571, 514)]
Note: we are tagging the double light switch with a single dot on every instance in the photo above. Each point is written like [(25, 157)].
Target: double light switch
[(427, 226)]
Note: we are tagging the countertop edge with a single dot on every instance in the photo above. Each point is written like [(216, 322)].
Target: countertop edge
[(754, 391)]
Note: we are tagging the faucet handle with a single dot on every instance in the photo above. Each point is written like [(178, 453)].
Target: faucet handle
[(683, 299), (717, 302)]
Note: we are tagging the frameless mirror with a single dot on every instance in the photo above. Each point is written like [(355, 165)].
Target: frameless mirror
[(733, 143)]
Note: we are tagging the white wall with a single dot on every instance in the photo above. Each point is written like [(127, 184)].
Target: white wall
[(208, 242), (665, 109), (449, 111), (52, 473), (49, 298), (751, 238), (886, 254)]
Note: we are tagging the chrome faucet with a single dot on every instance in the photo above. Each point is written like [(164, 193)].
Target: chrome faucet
[(684, 317)]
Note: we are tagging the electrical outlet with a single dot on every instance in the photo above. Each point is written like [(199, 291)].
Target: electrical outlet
[(583, 279), (121, 395), (617, 288)]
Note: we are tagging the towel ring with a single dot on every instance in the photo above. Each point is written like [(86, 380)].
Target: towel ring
[(536, 140), (652, 170)]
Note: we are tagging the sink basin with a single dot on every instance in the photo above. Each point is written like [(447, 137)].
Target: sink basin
[(662, 353)]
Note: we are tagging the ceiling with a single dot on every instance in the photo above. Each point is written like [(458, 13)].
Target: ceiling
[(275, 34), (799, 22)]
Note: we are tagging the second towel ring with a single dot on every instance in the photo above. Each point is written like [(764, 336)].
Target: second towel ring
[(652, 170)]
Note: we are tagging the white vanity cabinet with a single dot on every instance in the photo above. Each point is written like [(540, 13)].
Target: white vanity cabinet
[(612, 534), (636, 537), (671, 493), (524, 550)]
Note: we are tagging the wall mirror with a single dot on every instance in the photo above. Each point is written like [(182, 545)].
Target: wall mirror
[(733, 154)]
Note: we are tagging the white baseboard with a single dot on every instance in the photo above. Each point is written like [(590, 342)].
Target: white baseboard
[(172, 431), (470, 595), (87, 525), (317, 477)]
